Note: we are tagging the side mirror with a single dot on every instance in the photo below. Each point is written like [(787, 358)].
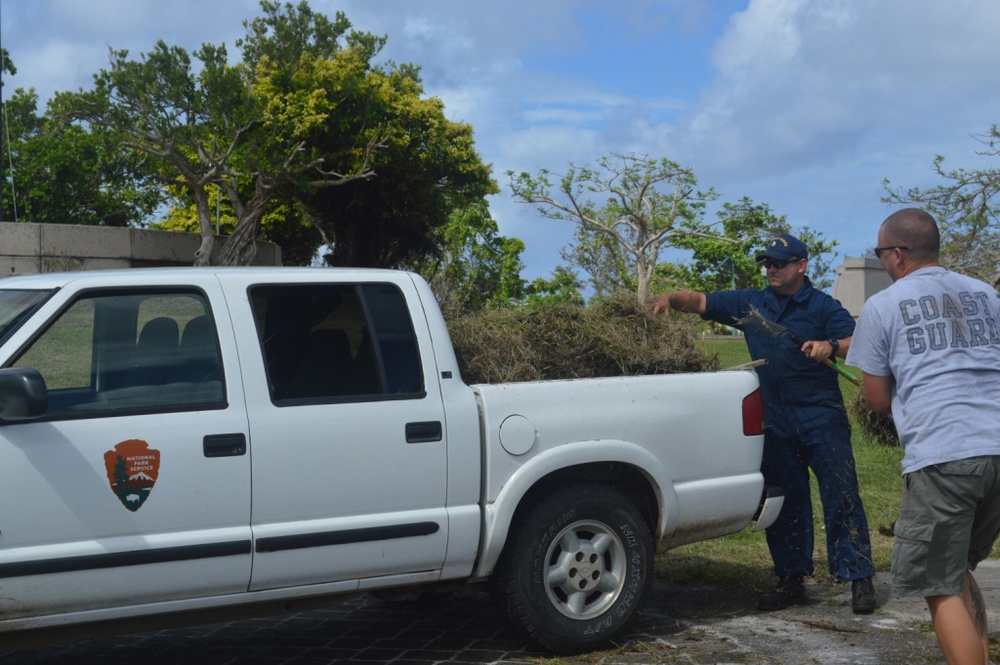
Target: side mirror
[(23, 395)]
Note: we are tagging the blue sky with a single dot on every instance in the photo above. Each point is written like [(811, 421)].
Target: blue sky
[(806, 105)]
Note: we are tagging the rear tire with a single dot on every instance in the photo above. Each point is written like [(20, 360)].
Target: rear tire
[(575, 571)]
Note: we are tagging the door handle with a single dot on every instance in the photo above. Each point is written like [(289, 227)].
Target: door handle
[(424, 432), (225, 445)]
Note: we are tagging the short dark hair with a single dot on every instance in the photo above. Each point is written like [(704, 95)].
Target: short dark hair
[(916, 229)]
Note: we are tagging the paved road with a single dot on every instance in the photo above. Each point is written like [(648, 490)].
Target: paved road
[(697, 626)]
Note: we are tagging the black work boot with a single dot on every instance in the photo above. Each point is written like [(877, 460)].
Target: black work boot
[(790, 591), (863, 596)]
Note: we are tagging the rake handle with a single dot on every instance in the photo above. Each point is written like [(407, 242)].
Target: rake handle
[(832, 364), (843, 372)]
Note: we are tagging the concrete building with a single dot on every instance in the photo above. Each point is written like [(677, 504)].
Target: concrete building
[(857, 280), (37, 248)]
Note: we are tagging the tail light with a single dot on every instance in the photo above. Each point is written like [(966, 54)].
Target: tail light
[(753, 413)]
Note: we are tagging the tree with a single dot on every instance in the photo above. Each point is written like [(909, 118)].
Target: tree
[(245, 129), (428, 169), (649, 204), (607, 265), (729, 261), (425, 169), (284, 223), (476, 268), (966, 207), (57, 172), (563, 288)]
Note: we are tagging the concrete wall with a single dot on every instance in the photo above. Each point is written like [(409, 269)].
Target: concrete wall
[(857, 280), (36, 248)]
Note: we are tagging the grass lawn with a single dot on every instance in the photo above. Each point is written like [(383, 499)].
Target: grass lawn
[(741, 561)]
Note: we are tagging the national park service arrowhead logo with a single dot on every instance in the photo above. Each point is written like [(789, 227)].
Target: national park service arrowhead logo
[(132, 467)]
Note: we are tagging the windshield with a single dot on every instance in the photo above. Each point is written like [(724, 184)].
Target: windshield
[(16, 306)]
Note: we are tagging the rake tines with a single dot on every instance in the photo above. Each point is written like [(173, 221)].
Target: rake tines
[(756, 322)]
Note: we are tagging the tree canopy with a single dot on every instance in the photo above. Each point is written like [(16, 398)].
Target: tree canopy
[(729, 260), (242, 128), (60, 172), (967, 208), (426, 169), (475, 267), (305, 140), (629, 205)]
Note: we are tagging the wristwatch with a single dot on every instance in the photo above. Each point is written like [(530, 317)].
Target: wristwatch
[(834, 347)]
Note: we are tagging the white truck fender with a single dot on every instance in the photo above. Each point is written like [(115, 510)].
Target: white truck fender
[(498, 514)]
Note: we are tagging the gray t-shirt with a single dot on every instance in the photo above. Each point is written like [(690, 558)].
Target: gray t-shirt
[(937, 333)]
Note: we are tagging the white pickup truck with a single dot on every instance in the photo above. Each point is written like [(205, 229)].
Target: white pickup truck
[(199, 439)]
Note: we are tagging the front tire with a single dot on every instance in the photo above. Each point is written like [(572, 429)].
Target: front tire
[(576, 569)]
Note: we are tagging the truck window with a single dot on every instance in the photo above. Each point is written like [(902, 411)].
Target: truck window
[(336, 342), (131, 351)]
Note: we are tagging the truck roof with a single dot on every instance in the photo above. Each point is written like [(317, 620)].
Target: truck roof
[(126, 276)]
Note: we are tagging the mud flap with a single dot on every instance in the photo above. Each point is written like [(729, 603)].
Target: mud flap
[(770, 505)]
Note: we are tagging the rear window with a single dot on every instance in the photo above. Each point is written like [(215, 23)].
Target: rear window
[(337, 342)]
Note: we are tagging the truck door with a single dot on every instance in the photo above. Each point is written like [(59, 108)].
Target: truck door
[(349, 465), (134, 487)]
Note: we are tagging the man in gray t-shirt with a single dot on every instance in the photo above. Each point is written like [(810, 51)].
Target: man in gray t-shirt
[(929, 347)]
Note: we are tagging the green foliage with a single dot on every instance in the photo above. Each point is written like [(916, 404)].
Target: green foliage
[(248, 129), (967, 208), (608, 266), (475, 267), (326, 148), (284, 224), (629, 207), (562, 289), (63, 173), (426, 169), (729, 261)]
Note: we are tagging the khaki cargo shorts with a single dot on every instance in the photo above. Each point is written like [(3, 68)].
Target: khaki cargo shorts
[(949, 518)]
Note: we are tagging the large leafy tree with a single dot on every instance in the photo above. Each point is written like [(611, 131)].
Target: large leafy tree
[(245, 129), (427, 169), (967, 207), (634, 204), (729, 260), (473, 267), (59, 172)]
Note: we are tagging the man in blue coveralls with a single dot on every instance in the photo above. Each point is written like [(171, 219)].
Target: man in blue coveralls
[(806, 422)]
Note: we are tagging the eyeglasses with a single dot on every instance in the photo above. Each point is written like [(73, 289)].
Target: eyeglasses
[(775, 263), (879, 250)]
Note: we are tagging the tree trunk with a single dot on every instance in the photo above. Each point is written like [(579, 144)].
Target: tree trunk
[(241, 248), (643, 276), (203, 256)]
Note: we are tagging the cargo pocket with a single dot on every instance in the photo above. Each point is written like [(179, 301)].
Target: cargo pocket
[(912, 541)]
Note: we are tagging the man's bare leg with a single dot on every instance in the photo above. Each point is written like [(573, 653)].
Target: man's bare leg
[(961, 626)]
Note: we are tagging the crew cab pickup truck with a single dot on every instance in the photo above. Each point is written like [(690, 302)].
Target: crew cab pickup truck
[(199, 438)]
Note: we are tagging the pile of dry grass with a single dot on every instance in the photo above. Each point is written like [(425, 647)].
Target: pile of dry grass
[(875, 427), (613, 338)]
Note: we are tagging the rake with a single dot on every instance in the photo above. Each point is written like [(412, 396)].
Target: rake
[(756, 321)]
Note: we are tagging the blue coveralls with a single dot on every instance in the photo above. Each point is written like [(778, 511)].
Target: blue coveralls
[(806, 427)]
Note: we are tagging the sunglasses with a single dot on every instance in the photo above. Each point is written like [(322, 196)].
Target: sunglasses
[(775, 263), (879, 250)]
